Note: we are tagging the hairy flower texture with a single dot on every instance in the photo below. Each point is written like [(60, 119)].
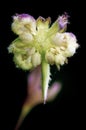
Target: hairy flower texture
[(39, 42)]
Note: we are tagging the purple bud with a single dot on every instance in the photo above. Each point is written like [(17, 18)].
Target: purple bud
[(62, 21), (72, 35), (22, 16)]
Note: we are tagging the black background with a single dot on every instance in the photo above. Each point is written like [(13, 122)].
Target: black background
[(67, 109)]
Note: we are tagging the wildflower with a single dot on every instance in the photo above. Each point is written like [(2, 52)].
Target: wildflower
[(40, 43)]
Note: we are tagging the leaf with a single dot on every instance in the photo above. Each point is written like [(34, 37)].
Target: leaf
[(34, 94)]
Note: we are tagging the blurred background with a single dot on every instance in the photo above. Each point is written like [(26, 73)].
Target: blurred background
[(67, 109)]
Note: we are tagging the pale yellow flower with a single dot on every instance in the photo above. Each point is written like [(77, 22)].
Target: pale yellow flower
[(40, 43)]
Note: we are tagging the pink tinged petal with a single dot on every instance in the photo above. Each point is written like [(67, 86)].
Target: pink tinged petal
[(72, 36), (23, 17), (63, 21)]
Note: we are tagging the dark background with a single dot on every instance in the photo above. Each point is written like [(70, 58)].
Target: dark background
[(67, 110)]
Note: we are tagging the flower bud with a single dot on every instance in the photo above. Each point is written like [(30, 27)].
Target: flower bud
[(36, 59), (22, 62), (31, 51), (50, 58), (63, 21), (58, 39), (72, 44), (59, 59), (23, 23), (26, 37)]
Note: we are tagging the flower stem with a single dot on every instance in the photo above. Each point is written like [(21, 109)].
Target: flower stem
[(45, 79)]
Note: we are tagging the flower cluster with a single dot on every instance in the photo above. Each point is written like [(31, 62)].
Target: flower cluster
[(38, 40), (40, 43)]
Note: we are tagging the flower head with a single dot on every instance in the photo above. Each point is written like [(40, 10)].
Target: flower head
[(39, 42)]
